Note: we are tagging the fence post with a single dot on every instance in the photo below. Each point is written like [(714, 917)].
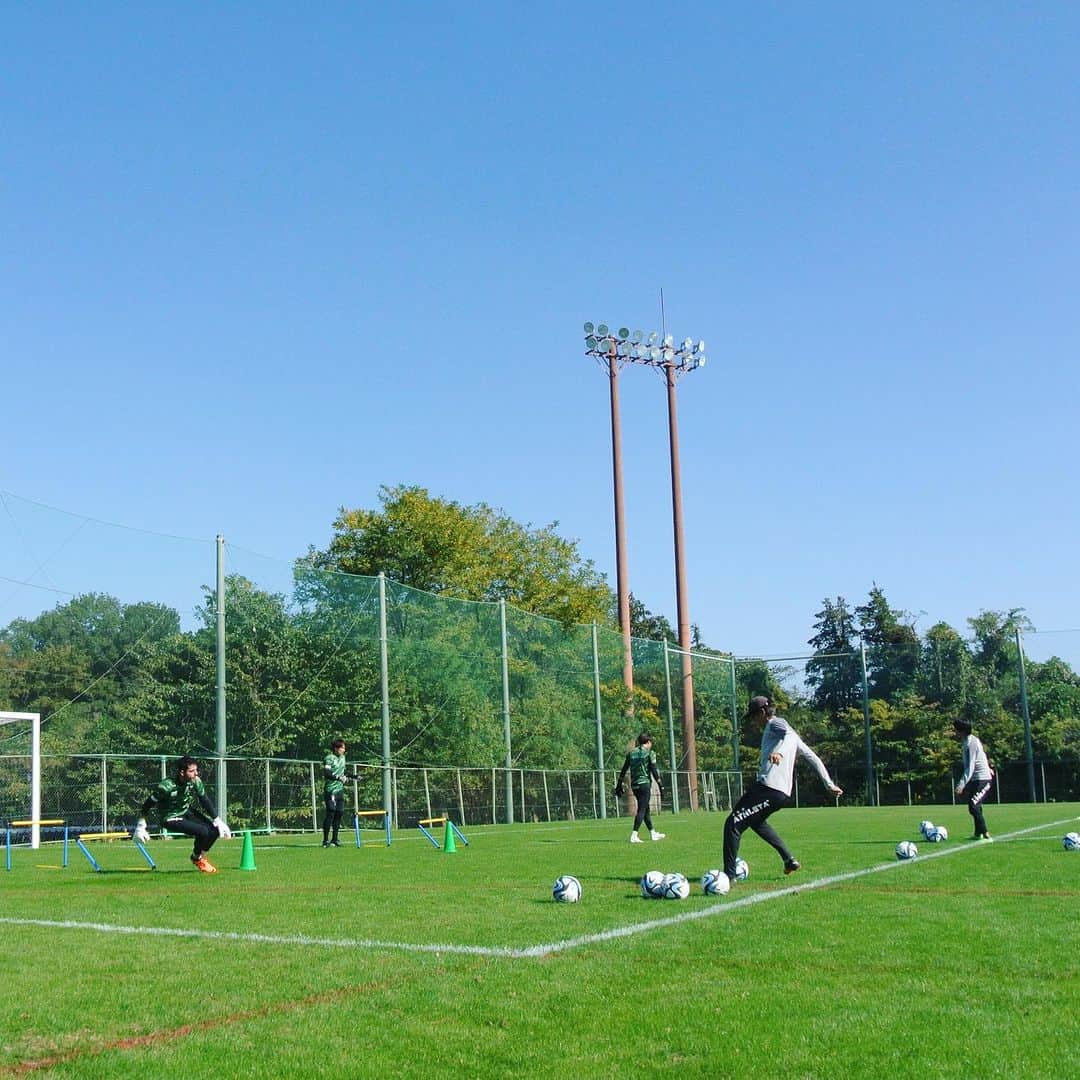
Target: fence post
[(427, 793), (506, 715), (671, 733), (384, 695), (314, 803), (460, 798), (599, 722), (269, 827), (735, 766), (570, 795), (223, 769), (870, 778), (547, 801), (1029, 753)]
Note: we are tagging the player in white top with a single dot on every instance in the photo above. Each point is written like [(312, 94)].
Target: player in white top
[(978, 777), (780, 745)]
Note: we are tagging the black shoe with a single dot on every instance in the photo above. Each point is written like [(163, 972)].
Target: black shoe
[(326, 843), (335, 843), (791, 866)]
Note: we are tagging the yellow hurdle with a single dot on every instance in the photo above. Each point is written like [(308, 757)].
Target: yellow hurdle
[(95, 865), (28, 823), (370, 813)]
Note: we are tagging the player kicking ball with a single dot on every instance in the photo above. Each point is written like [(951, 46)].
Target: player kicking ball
[(771, 790)]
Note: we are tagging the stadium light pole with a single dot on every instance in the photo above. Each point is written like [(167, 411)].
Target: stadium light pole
[(673, 361), (601, 344)]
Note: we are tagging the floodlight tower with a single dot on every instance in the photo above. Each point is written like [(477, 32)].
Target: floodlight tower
[(674, 361), (607, 349)]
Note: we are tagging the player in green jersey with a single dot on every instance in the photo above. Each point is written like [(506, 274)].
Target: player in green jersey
[(640, 763), (334, 777), (182, 806)]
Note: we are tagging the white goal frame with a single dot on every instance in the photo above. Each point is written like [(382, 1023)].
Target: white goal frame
[(34, 719)]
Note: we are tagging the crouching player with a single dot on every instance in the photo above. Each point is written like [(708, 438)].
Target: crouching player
[(181, 805)]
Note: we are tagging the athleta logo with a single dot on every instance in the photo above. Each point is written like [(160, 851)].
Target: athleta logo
[(743, 814)]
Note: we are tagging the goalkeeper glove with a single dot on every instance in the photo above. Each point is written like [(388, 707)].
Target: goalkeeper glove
[(619, 790), (223, 830), (140, 832)]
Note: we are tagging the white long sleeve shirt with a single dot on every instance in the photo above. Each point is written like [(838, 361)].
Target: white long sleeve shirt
[(781, 738), (976, 763)]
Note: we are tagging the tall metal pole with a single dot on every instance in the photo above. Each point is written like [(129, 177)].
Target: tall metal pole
[(736, 767), (384, 689), (221, 745), (1029, 750), (506, 715), (866, 730), (599, 722), (671, 732), (622, 574), (681, 597)]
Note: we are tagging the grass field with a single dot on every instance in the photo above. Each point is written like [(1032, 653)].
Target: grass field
[(407, 961)]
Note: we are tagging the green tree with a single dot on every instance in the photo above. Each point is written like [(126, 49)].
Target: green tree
[(834, 673), (893, 648), (468, 552)]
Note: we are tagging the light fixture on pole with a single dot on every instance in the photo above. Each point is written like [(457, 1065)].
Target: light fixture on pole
[(674, 361), (608, 348)]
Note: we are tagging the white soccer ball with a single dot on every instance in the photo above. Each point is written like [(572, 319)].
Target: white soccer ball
[(937, 834), (742, 869), (676, 887), (715, 883), (567, 889), (652, 884), (1071, 841), (906, 850), (926, 828)]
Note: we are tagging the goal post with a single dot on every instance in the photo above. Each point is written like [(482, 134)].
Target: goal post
[(34, 720)]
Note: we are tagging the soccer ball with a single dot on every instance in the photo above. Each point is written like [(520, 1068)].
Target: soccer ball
[(652, 885), (1071, 841), (906, 850), (742, 869), (675, 887), (926, 828), (567, 889), (937, 834), (715, 883)]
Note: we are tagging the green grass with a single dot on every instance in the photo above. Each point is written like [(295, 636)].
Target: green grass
[(948, 966)]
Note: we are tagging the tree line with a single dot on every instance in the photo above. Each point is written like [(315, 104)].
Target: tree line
[(112, 677)]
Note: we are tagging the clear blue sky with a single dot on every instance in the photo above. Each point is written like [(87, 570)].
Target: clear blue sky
[(259, 259)]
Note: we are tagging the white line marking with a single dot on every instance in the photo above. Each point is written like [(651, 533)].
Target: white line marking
[(531, 951)]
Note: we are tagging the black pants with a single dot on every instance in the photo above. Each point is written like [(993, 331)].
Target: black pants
[(644, 797), (750, 812), (331, 822), (975, 792), (204, 832)]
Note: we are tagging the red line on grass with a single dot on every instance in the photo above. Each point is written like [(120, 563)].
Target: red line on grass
[(166, 1035)]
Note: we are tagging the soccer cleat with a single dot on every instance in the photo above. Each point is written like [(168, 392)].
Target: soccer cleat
[(203, 864), (984, 836), (791, 866), (335, 843), (635, 839), (326, 843), (658, 835)]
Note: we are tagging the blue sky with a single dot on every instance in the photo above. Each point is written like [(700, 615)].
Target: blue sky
[(259, 260)]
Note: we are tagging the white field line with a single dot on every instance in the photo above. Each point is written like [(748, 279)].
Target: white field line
[(530, 951)]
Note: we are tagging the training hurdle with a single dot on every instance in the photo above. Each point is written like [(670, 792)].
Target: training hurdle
[(370, 813), (95, 865), (450, 827), (29, 824)]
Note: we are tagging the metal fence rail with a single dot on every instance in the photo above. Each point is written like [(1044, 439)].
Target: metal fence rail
[(103, 792)]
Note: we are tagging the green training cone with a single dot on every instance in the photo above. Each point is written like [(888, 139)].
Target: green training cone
[(448, 844), (247, 855)]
